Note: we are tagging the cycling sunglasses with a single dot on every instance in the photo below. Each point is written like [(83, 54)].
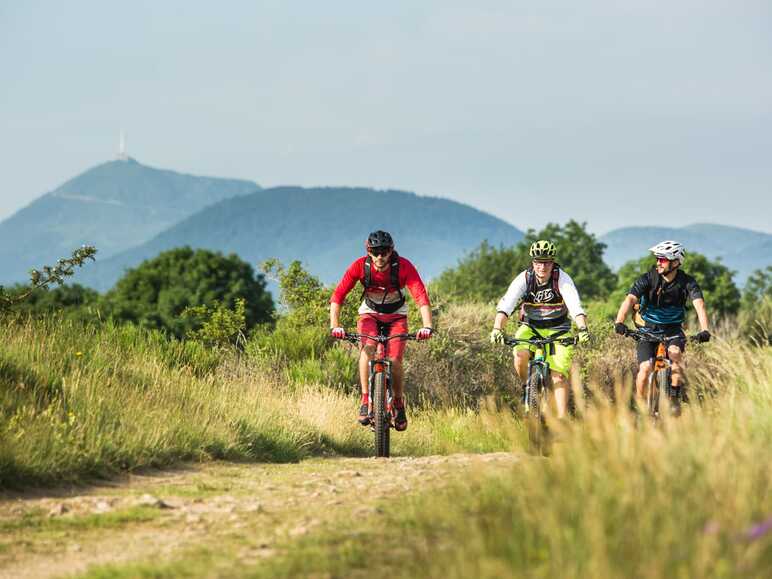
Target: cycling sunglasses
[(663, 260), (380, 251)]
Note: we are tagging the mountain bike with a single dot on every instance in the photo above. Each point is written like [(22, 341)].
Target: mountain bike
[(379, 388), (660, 379), (536, 385)]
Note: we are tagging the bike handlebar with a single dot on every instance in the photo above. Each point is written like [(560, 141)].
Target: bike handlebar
[(354, 337), (646, 335), (569, 341)]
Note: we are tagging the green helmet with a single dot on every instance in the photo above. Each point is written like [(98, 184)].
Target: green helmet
[(543, 249)]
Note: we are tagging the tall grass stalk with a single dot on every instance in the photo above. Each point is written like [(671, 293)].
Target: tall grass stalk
[(89, 401), (618, 496)]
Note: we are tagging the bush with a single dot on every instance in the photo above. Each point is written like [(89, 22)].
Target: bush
[(459, 366), (157, 292), (757, 288), (755, 324), (218, 326)]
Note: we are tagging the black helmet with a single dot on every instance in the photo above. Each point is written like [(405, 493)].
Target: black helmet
[(379, 239)]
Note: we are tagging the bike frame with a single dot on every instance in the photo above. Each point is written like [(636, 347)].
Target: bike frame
[(660, 361), (538, 360), (380, 365)]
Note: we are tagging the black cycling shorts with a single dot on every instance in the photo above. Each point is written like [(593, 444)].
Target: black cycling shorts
[(648, 350)]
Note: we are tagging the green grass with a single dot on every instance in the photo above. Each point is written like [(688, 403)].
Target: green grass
[(39, 522), (203, 562), (618, 497), (34, 528), (79, 402)]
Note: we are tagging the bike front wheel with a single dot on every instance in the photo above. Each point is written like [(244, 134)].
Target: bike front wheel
[(381, 423), (534, 419), (533, 394), (658, 382)]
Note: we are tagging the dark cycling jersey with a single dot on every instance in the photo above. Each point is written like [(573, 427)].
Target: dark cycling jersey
[(664, 303)]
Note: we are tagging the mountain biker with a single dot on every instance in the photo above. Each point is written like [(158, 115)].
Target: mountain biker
[(661, 295), (549, 300), (383, 274)]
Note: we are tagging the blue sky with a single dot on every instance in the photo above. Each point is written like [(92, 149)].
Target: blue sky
[(617, 113)]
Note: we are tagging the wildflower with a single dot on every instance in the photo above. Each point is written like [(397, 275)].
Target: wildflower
[(759, 530)]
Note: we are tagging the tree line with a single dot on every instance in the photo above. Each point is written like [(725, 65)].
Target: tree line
[(182, 290)]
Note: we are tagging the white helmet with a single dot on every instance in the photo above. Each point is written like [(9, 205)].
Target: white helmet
[(669, 249)]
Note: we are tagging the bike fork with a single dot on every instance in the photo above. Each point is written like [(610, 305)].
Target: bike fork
[(376, 366)]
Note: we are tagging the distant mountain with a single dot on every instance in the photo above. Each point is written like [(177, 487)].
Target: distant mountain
[(742, 250), (323, 227), (114, 206)]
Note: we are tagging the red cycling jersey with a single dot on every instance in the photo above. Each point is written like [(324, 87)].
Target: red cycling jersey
[(408, 277)]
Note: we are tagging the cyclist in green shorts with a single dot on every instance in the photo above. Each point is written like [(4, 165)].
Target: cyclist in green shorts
[(549, 301)]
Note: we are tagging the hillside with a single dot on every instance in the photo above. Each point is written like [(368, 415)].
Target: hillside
[(323, 227), (114, 206), (742, 250)]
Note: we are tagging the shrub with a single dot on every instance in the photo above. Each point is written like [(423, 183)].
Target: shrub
[(158, 291), (218, 326)]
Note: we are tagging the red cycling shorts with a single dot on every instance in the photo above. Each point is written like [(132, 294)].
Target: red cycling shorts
[(368, 324)]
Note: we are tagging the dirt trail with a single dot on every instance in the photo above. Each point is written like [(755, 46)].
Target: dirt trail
[(254, 509)]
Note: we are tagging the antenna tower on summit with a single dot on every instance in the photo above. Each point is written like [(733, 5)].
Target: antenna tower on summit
[(122, 155)]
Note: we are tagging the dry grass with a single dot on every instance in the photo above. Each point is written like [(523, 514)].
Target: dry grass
[(79, 402), (619, 496)]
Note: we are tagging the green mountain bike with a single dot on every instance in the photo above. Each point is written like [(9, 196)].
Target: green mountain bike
[(537, 384)]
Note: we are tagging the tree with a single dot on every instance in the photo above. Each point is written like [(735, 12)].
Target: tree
[(715, 279), (159, 290), (483, 275), (47, 276), (305, 298), (486, 272), (67, 298), (757, 288)]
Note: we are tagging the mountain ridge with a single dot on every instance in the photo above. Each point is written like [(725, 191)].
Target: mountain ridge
[(112, 205), (325, 227), (742, 250)]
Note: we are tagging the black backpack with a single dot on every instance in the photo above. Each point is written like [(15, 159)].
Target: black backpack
[(657, 284), (394, 275), (530, 280), (530, 285)]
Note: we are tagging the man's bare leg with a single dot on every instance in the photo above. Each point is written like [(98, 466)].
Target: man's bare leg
[(365, 355), (397, 376), (560, 388), (677, 366), (642, 379), (522, 357)]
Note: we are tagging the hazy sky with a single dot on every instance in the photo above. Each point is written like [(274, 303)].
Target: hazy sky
[(613, 112)]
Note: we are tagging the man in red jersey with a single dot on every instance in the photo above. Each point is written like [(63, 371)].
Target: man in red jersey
[(383, 274)]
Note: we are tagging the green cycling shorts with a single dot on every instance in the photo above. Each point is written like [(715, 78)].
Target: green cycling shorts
[(560, 361)]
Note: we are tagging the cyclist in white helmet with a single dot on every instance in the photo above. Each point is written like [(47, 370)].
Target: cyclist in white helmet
[(661, 294)]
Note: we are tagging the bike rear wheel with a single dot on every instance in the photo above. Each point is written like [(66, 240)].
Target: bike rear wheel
[(381, 421)]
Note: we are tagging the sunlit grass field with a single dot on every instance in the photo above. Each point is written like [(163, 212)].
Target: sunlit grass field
[(78, 402), (615, 496), (618, 496)]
